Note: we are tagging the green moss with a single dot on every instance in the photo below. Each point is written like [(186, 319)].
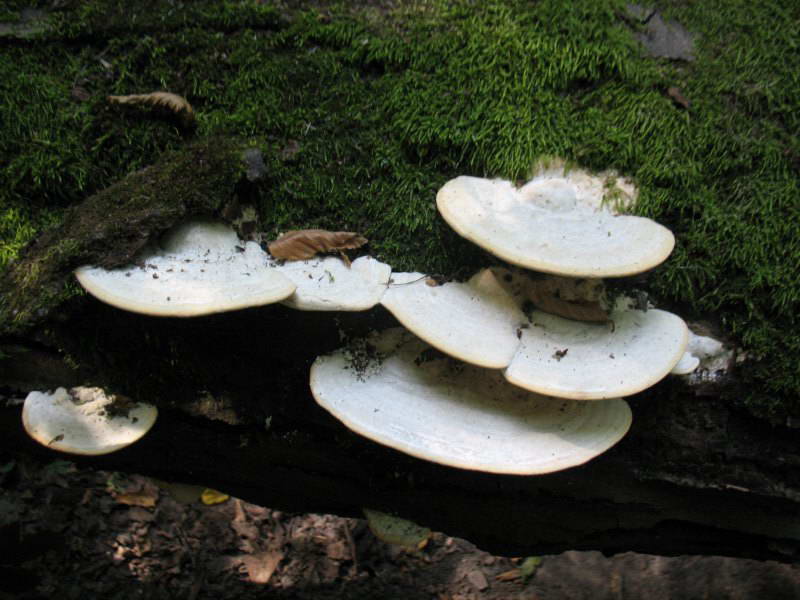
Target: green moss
[(363, 112), (112, 225)]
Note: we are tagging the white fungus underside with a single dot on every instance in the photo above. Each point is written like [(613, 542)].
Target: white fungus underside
[(55, 421), (590, 361), (463, 416), (536, 231), (475, 321), (202, 268), (329, 284)]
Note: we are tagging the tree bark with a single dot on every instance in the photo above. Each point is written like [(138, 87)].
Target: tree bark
[(693, 476)]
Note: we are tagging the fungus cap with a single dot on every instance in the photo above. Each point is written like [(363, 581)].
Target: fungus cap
[(78, 421), (706, 359), (474, 321), (560, 222), (201, 267), (460, 415), (590, 361), (687, 364), (329, 284)]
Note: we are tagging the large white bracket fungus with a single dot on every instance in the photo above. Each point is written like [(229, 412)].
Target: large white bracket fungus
[(330, 284), (201, 267), (460, 415), (80, 421), (475, 321), (562, 221)]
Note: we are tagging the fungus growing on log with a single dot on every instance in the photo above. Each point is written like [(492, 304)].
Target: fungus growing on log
[(330, 284), (445, 411), (200, 267), (591, 361), (474, 321), (706, 359), (562, 221), (84, 420), (687, 364)]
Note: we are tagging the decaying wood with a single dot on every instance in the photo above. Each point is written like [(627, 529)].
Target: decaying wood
[(303, 244), (693, 476), (167, 100), (577, 299)]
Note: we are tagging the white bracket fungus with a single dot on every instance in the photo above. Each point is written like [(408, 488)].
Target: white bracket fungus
[(560, 222), (460, 415), (329, 284), (687, 364), (80, 421), (705, 359), (590, 361), (200, 268), (583, 360), (394, 390), (475, 321)]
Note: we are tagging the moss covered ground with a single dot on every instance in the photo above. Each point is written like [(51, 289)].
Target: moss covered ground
[(364, 109)]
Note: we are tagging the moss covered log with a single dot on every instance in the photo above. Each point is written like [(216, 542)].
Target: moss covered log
[(111, 226), (362, 110)]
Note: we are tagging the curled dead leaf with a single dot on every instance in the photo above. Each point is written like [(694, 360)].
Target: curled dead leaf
[(303, 244), (397, 531), (210, 497), (509, 575), (145, 499), (261, 565), (678, 97), (167, 100)]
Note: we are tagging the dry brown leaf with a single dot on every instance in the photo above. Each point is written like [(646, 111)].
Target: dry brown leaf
[(210, 497), (576, 299), (144, 498), (509, 575), (262, 565), (678, 97), (172, 102), (306, 243), (478, 579)]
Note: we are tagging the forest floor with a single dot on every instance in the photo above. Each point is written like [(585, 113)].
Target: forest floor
[(69, 532)]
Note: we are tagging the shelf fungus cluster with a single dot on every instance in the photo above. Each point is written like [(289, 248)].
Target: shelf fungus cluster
[(515, 371), (512, 371), (198, 268), (202, 267)]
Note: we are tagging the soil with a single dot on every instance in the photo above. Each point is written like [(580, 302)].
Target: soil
[(69, 532)]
